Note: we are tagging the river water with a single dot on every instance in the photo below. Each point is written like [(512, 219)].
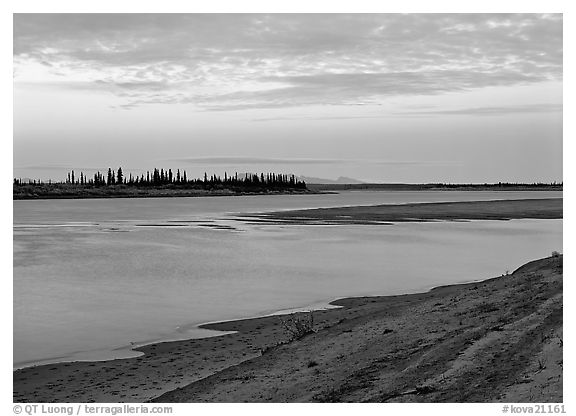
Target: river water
[(94, 277)]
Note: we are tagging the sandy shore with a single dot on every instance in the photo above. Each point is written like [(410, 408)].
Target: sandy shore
[(498, 340), (550, 208)]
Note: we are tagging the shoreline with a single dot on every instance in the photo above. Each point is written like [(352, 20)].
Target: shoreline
[(322, 305), (197, 194), (434, 187), (193, 364), (313, 189), (384, 214), (326, 365), (313, 307)]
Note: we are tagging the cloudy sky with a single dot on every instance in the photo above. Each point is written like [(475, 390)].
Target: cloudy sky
[(377, 97)]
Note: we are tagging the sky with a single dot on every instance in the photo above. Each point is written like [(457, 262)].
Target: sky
[(377, 97)]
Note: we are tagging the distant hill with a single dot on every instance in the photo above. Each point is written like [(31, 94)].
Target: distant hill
[(342, 180), (322, 181)]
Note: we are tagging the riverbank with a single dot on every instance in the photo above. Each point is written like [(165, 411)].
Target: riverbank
[(28, 192), (504, 187), (497, 340), (550, 208), (67, 191)]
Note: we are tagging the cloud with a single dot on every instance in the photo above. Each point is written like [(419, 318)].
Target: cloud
[(227, 62), (363, 88), (312, 118), (44, 167), (490, 111), (473, 111), (239, 160)]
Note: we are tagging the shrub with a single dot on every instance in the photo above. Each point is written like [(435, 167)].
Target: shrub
[(298, 325)]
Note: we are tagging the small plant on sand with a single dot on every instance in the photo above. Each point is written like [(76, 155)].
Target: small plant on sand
[(541, 364), (298, 326), (267, 348), (531, 396)]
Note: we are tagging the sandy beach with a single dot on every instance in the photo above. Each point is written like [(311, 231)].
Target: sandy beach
[(497, 340), (549, 208)]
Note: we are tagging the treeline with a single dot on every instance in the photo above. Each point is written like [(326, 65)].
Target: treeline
[(177, 179), (502, 186)]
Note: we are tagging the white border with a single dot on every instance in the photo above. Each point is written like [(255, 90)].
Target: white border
[(300, 6)]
